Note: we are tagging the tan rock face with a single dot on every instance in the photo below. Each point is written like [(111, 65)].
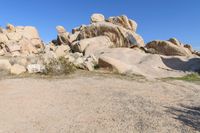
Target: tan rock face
[(168, 48), (17, 69), (97, 18), (3, 38), (14, 36), (124, 22), (30, 32), (63, 36), (27, 47), (62, 50), (19, 40), (5, 64), (120, 36), (92, 45), (60, 29)]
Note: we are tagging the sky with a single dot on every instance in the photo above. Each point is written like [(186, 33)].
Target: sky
[(157, 19)]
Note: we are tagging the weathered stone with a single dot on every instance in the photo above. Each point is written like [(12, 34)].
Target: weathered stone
[(79, 63), (17, 69), (2, 52), (70, 58), (35, 68), (52, 47), (3, 38), (90, 45), (13, 46), (89, 66), (78, 29), (37, 43), (120, 36), (14, 36), (48, 56), (60, 29), (124, 22), (30, 33), (168, 48), (97, 18), (76, 55), (63, 36), (10, 28), (62, 50), (27, 47), (5, 64), (73, 37)]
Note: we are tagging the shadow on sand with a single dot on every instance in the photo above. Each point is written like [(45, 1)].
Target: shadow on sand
[(187, 115), (192, 65)]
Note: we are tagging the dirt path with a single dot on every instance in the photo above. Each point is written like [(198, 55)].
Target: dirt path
[(98, 104)]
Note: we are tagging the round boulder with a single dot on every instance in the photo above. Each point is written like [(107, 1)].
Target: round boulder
[(97, 18)]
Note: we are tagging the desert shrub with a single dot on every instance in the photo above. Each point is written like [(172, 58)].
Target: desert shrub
[(189, 77), (60, 66)]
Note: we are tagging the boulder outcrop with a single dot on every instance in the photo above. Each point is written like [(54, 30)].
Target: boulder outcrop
[(97, 18), (92, 45), (120, 36), (21, 40), (170, 48), (124, 22), (106, 43)]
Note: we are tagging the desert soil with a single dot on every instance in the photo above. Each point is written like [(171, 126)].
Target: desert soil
[(102, 103)]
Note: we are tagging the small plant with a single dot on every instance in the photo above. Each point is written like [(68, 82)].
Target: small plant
[(189, 77), (60, 66)]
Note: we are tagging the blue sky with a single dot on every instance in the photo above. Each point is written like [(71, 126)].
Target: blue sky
[(157, 19)]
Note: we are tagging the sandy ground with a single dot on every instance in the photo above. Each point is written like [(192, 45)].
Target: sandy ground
[(98, 103)]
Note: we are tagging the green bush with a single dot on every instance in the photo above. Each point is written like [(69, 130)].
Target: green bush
[(189, 77), (60, 66)]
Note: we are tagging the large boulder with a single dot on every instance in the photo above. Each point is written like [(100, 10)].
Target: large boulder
[(124, 22), (148, 65), (29, 32), (92, 45), (168, 48), (35, 68), (60, 29), (97, 18), (63, 36), (62, 50), (10, 28), (119, 35), (17, 69), (113, 59), (5, 64)]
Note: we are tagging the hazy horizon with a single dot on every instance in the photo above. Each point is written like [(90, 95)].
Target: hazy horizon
[(157, 20)]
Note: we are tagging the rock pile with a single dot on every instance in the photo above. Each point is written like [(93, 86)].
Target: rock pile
[(20, 41), (106, 43)]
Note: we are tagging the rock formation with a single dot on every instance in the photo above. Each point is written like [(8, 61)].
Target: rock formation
[(106, 43), (18, 41), (172, 47)]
